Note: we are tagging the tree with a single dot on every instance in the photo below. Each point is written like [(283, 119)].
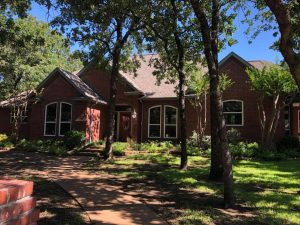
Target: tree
[(28, 54), (198, 87), (276, 83), (178, 49), (108, 32), (212, 18), (282, 16)]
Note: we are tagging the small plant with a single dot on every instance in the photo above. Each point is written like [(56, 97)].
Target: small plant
[(234, 136), (244, 150), (155, 146), (119, 148), (4, 141), (74, 139)]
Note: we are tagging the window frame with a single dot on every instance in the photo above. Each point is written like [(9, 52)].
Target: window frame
[(53, 122), (22, 118), (242, 112), (149, 114), (61, 122), (176, 124)]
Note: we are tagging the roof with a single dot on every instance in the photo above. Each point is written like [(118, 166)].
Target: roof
[(78, 84), (147, 82)]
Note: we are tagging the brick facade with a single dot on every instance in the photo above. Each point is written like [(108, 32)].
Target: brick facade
[(92, 118)]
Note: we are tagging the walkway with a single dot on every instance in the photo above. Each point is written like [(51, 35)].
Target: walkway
[(101, 196)]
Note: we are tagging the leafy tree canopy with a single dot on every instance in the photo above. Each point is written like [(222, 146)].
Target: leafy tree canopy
[(30, 51)]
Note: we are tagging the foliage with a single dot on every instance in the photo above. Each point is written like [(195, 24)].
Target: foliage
[(4, 141), (273, 83), (119, 148), (205, 142), (288, 142), (74, 139), (156, 146), (234, 136), (48, 146), (244, 150), (31, 53)]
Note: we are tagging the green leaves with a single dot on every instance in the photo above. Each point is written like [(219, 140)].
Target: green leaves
[(272, 80), (29, 53)]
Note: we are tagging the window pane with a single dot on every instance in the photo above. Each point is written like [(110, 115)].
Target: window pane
[(155, 115), (170, 131), (51, 112), (154, 131), (233, 118), (170, 116), (64, 128), (232, 106), (50, 129), (66, 111)]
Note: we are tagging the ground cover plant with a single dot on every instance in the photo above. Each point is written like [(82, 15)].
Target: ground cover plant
[(267, 192)]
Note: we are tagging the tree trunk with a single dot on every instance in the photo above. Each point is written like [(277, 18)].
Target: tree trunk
[(210, 40), (283, 17), (112, 105), (184, 159)]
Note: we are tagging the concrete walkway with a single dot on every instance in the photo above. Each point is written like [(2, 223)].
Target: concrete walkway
[(101, 195)]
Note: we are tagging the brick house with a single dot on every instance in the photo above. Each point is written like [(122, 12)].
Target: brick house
[(145, 110)]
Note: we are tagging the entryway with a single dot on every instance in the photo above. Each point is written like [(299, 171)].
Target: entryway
[(123, 122)]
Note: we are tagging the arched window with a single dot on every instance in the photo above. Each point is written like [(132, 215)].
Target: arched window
[(154, 119), (50, 119), (170, 130), (65, 120), (233, 112)]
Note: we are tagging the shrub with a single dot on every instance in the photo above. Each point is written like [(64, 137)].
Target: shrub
[(4, 141), (155, 146), (287, 142), (198, 141), (234, 136), (244, 150), (119, 148), (74, 139)]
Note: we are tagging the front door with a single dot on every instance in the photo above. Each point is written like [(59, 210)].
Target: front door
[(124, 126)]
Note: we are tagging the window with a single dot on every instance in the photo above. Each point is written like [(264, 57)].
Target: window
[(233, 112), (50, 119), (170, 122), (287, 126), (154, 122), (65, 118)]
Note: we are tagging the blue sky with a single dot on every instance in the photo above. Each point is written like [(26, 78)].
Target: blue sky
[(259, 49)]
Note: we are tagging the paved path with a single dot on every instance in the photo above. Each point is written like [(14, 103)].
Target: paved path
[(100, 195)]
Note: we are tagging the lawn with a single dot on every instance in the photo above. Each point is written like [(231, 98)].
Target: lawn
[(266, 192)]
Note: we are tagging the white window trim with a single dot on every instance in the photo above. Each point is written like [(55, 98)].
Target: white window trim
[(235, 125), (60, 122), (176, 125), (45, 119), (22, 119), (154, 124)]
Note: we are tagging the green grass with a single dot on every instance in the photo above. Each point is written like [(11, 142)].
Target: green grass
[(270, 189)]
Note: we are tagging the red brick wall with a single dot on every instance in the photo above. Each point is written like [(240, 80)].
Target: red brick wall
[(16, 204)]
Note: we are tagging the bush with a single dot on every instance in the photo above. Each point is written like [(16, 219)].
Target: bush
[(74, 139), (204, 143), (287, 142), (49, 146), (119, 148), (155, 146), (4, 141), (234, 136), (244, 150)]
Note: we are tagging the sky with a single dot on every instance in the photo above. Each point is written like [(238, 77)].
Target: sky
[(259, 49)]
